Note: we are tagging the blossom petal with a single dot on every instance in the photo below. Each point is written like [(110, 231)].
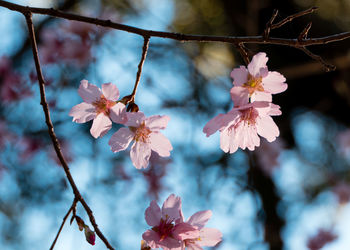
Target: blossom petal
[(172, 207), (100, 126), (184, 231), (153, 214), (110, 91), (151, 237), (83, 112), (134, 119), (200, 218), (157, 122), (160, 144), (209, 237), (274, 82), (258, 62), (267, 128), (118, 113), (121, 139), (239, 75), (219, 122), (194, 247), (240, 96), (89, 92), (261, 96), (225, 140), (140, 153)]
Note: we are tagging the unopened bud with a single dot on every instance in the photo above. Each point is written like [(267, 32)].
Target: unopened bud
[(132, 107), (89, 235), (80, 223)]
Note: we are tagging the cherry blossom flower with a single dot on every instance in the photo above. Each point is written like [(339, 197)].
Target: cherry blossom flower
[(239, 128), (256, 82), (342, 191), (207, 236), (145, 132), (167, 231), (99, 106), (322, 238)]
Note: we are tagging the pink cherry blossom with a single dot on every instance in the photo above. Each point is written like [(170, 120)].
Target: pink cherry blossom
[(322, 238), (166, 232), (268, 154), (207, 236), (240, 127), (342, 191), (146, 134), (256, 82), (99, 106)]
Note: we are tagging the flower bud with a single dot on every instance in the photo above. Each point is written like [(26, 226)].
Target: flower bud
[(80, 223), (89, 235)]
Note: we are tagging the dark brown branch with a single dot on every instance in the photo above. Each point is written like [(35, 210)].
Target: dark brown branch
[(304, 33), (328, 67), (269, 24), (292, 17), (43, 102), (72, 208), (139, 70)]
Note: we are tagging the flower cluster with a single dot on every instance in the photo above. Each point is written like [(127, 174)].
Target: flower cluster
[(170, 231), (103, 107), (253, 107)]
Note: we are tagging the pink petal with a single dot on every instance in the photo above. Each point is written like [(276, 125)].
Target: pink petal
[(153, 214), (240, 96), (261, 96), (209, 237), (110, 91), (259, 61), (225, 140), (118, 113), (239, 75), (83, 112), (134, 119), (140, 153), (194, 247), (89, 92), (274, 82), (100, 126), (219, 122), (199, 219), (157, 122), (160, 144), (151, 237), (121, 139), (171, 207), (184, 231), (267, 128)]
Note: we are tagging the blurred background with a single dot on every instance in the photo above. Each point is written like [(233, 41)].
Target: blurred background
[(290, 194)]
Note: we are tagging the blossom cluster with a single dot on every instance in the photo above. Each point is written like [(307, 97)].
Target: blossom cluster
[(170, 230), (102, 106), (253, 107)]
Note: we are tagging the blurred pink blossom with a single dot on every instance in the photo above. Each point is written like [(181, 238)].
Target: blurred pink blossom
[(29, 147), (146, 134), (167, 229), (101, 106), (343, 140), (268, 153), (342, 191), (256, 82), (239, 128), (322, 238)]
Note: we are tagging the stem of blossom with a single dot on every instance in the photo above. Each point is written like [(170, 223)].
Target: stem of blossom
[(43, 102), (139, 70), (72, 208)]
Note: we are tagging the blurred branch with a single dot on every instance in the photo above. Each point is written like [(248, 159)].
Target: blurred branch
[(296, 43), (56, 144), (72, 208)]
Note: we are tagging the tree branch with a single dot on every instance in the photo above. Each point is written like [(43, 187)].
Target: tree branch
[(72, 208), (43, 102), (292, 17)]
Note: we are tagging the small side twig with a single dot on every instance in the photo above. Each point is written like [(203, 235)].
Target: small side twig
[(139, 70), (328, 67), (243, 51), (292, 17), (72, 208), (56, 145), (304, 33), (269, 24)]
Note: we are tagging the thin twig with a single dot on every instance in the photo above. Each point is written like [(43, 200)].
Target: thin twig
[(43, 102), (72, 208), (292, 17), (139, 70), (304, 33), (328, 67), (244, 52), (269, 24)]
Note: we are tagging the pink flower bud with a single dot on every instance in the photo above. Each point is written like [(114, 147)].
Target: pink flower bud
[(80, 223), (89, 235)]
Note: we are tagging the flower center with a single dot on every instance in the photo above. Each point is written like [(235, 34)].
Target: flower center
[(142, 133), (164, 229), (103, 105), (253, 84), (249, 115)]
